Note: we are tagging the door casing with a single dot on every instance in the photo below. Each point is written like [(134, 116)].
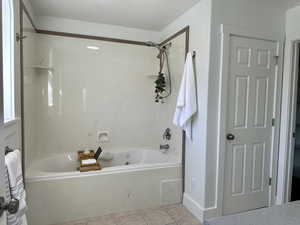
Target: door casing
[(2, 191), (226, 33), (292, 122)]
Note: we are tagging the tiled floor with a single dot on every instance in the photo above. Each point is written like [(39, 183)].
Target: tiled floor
[(166, 215)]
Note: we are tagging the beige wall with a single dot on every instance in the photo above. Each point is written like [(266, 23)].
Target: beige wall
[(199, 20)]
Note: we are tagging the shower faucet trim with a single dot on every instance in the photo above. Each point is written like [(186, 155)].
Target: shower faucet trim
[(167, 134)]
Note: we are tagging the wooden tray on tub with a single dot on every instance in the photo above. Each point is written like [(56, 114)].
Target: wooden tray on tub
[(90, 167), (82, 155)]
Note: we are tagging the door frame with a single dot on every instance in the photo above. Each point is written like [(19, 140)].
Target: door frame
[(226, 33), (3, 218), (288, 141), (1, 69)]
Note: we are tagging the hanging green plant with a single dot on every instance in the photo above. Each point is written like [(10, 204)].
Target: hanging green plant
[(160, 87)]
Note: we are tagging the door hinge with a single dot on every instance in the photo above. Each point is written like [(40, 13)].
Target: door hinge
[(276, 57), (273, 122), (20, 37), (270, 181)]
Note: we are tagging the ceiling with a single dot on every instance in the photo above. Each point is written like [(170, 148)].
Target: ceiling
[(292, 3), (144, 14)]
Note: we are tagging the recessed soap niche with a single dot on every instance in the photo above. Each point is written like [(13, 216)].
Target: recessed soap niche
[(103, 137)]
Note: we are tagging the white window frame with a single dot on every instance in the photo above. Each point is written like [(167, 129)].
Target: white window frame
[(8, 62)]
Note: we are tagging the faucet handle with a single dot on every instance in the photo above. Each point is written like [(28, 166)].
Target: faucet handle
[(167, 134)]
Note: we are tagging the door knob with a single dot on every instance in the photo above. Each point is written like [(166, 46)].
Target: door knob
[(230, 137), (12, 207)]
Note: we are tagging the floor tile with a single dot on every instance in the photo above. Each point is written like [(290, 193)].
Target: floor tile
[(80, 222), (188, 221), (165, 215), (157, 217), (134, 219), (127, 213), (177, 212), (102, 220)]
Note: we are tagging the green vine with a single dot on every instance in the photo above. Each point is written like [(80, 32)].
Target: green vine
[(160, 87)]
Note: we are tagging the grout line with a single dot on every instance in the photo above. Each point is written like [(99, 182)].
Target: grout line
[(143, 214), (145, 221), (170, 215)]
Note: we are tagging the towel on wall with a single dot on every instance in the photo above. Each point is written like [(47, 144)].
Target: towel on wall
[(186, 106), (15, 187)]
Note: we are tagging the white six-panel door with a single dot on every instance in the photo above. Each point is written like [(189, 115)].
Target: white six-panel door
[(251, 88)]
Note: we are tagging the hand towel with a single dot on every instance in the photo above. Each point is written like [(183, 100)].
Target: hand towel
[(15, 187), (186, 106)]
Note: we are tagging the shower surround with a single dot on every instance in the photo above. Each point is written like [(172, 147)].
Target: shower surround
[(75, 89), (85, 91)]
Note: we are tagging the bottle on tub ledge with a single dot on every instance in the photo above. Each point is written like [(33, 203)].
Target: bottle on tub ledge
[(102, 138)]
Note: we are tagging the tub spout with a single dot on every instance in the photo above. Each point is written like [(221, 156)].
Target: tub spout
[(164, 148)]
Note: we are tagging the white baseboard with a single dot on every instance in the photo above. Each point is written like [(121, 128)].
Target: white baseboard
[(197, 210), (193, 207)]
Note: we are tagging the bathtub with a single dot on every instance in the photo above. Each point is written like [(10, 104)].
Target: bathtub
[(134, 179)]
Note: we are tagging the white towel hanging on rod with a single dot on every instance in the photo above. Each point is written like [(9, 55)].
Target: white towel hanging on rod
[(186, 106)]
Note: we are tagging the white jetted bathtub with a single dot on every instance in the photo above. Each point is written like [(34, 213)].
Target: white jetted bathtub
[(133, 179)]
